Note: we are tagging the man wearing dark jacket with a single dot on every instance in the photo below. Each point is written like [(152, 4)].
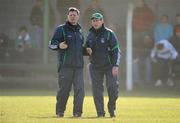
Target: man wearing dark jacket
[(36, 19), (102, 45), (68, 41)]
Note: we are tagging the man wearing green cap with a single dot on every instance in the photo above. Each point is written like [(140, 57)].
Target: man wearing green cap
[(103, 48)]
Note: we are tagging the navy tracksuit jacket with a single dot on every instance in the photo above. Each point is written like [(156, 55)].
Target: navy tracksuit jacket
[(105, 55), (70, 66)]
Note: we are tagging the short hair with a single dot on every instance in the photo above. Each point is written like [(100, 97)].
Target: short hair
[(23, 28), (165, 16), (160, 46), (178, 15), (71, 9), (39, 0)]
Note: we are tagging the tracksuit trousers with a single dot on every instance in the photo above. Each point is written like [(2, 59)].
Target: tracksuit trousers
[(67, 78), (112, 85)]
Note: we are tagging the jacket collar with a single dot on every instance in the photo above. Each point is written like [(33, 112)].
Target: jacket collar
[(98, 31), (73, 27)]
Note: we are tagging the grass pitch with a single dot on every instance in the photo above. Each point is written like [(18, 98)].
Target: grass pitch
[(41, 109)]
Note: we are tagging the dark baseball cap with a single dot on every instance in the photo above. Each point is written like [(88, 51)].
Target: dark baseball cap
[(98, 16)]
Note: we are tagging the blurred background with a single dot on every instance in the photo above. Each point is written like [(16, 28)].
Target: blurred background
[(27, 63)]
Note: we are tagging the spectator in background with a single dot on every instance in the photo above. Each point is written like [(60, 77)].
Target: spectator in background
[(93, 7), (177, 23), (143, 67), (63, 5), (23, 40), (5, 45), (175, 41), (143, 19), (163, 54), (4, 39), (36, 19), (163, 30)]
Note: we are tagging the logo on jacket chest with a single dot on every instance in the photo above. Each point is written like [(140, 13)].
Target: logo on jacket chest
[(69, 36), (80, 36), (102, 40)]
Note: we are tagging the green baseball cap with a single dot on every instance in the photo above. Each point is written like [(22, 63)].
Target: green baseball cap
[(97, 16)]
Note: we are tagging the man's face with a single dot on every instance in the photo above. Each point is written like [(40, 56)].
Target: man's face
[(160, 47), (140, 3), (23, 33), (96, 23), (178, 34), (73, 17), (178, 19), (164, 19), (40, 3)]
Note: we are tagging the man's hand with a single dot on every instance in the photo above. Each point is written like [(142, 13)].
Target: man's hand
[(89, 51), (154, 60), (63, 45), (115, 71)]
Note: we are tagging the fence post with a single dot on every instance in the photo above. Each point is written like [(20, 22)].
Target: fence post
[(129, 70), (45, 31)]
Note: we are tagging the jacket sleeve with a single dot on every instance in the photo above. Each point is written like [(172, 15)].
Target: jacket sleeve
[(33, 17), (115, 49), (87, 43), (156, 33), (173, 51), (153, 52), (57, 38)]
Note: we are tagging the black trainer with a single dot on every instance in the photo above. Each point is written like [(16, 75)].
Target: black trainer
[(112, 114), (101, 115), (77, 115), (60, 115)]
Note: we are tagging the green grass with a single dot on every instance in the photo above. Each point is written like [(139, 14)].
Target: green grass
[(41, 109)]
